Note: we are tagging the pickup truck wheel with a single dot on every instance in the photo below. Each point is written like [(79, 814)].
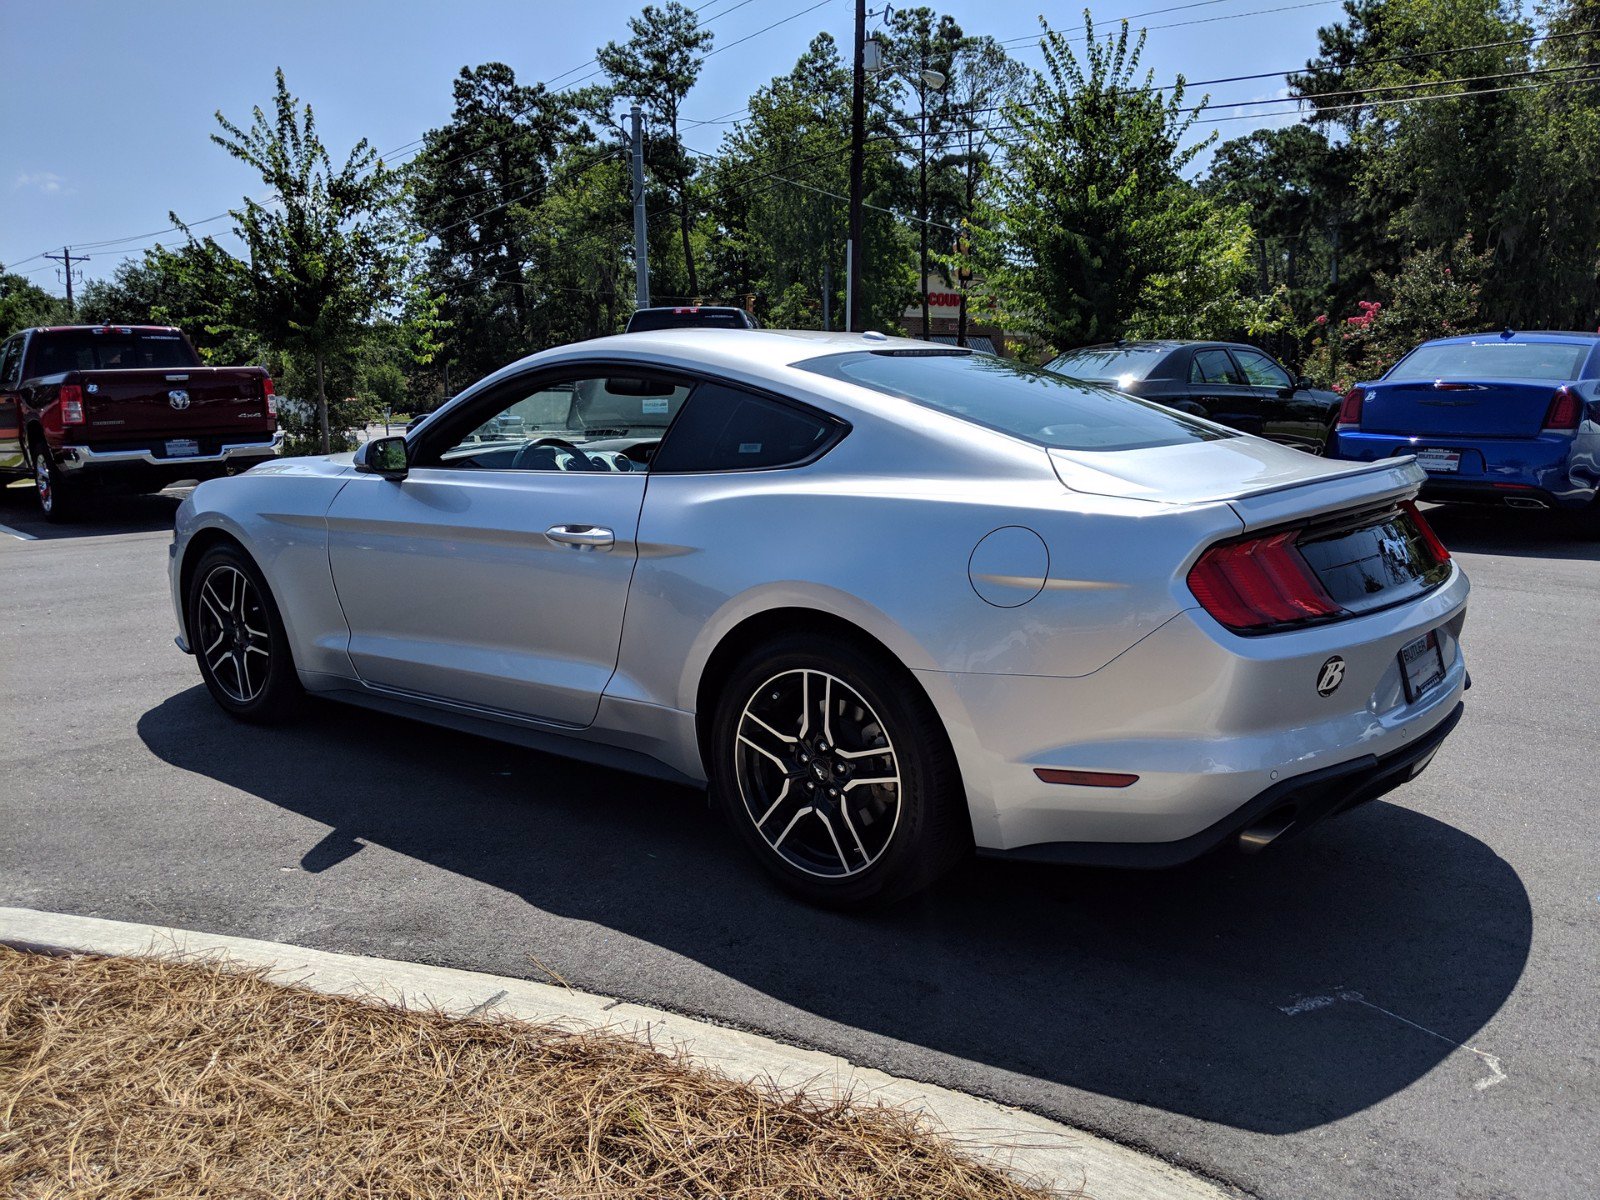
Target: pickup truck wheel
[(57, 497), (238, 638)]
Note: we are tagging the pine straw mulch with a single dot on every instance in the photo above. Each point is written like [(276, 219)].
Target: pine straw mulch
[(134, 1077)]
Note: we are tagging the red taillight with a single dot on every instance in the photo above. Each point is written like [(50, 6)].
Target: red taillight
[(1429, 537), (71, 398), (269, 395), (1564, 413), (1350, 409), (1257, 583)]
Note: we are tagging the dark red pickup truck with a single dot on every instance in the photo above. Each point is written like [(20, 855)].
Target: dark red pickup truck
[(127, 407)]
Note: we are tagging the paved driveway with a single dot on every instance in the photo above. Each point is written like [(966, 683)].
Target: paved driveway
[(1402, 1004)]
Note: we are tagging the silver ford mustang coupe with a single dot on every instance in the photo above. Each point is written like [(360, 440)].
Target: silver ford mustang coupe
[(890, 601)]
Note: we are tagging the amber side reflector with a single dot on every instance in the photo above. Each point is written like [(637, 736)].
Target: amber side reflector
[(1085, 778)]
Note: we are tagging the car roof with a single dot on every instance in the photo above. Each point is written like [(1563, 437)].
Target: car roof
[(764, 347), (102, 328), (1515, 335)]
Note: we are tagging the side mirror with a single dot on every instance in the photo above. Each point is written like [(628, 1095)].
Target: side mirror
[(1303, 382), (384, 456)]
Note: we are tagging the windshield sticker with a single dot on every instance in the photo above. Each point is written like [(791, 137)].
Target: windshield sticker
[(749, 447), (655, 405)]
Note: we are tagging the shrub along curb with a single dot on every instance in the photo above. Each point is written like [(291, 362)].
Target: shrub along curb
[(1028, 1145)]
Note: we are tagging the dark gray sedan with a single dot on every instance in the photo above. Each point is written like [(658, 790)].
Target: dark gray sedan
[(1235, 385)]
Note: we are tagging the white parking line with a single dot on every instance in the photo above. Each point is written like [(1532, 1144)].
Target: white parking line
[(18, 534)]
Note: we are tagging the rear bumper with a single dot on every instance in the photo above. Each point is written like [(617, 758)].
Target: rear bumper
[(1551, 470), (144, 467), (1279, 813), (1205, 719)]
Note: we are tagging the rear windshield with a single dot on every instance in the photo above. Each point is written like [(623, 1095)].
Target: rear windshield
[(1110, 364), (700, 318), (1493, 360), (51, 353), (1026, 402)]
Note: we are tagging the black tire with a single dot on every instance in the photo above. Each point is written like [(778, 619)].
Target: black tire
[(1585, 522), (234, 622), (835, 849), (57, 494)]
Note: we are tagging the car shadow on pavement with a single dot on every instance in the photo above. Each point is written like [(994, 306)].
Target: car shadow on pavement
[(1538, 533), (1256, 993), (100, 516)]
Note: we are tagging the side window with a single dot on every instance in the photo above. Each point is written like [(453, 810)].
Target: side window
[(728, 429), (605, 423), (11, 364), (1213, 366), (1261, 371)]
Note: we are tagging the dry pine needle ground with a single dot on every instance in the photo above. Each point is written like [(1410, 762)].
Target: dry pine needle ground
[(125, 1078)]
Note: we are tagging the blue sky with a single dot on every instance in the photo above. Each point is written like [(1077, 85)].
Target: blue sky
[(108, 106)]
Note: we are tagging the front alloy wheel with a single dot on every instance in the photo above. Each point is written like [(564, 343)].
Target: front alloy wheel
[(238, 637), (233, 637)]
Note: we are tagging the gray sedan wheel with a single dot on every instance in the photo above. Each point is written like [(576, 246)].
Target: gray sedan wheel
[(834, 768)]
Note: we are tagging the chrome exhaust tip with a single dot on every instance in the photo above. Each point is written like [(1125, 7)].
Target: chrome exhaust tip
[(1255, 838), (1525, 502)]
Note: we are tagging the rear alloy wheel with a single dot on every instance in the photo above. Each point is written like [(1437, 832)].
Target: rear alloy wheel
[(238, 638), (57, 498), (837, 774)]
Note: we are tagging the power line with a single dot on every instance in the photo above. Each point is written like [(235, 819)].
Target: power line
[(1254, 12)]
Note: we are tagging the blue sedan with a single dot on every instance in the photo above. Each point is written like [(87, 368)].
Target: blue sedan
[(1508, 418)]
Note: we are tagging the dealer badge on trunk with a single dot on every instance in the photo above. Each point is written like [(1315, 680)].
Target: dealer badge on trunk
[(1331, 676)]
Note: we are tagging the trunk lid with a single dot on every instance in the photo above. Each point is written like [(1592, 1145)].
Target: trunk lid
[(175, 403), (1265, 483), (1497, 408)]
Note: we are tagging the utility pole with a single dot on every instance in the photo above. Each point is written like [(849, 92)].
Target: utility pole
[(827, 294), (641, 236), (854, 314), (66, 258)]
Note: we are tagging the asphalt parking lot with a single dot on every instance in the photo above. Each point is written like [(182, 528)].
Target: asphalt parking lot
[(1402, 1004)]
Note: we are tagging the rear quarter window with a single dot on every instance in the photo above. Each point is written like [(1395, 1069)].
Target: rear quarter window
[(1039, 406), (723, 428)]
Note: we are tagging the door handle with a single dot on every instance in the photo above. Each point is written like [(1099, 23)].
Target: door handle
[(582, 537)]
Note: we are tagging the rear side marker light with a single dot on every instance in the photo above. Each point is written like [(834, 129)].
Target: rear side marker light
[(1085, 778), (1260, 582), (1564, 413), (1350, 409), (71, 397)]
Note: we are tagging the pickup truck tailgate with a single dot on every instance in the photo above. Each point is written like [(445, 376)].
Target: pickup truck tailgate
[(127, 405)]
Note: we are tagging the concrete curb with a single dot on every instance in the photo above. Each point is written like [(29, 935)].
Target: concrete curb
[(1028, 1145)]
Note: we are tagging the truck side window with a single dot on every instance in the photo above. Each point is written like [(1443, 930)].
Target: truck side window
[(11, 364)]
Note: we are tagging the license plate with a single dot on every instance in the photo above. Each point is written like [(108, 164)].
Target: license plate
[(182, 448), (1445, 462), (1421, 665)]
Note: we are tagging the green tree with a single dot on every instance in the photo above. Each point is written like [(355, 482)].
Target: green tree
[(24, 304), (921, 41), (983, 79), (658, 66), (1092, 201), (474, 190), (777, 199), (325, 254)]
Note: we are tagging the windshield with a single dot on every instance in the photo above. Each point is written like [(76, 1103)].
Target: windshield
[(1120, 365), (54, 352), (1493, 360), (1040, 406)]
